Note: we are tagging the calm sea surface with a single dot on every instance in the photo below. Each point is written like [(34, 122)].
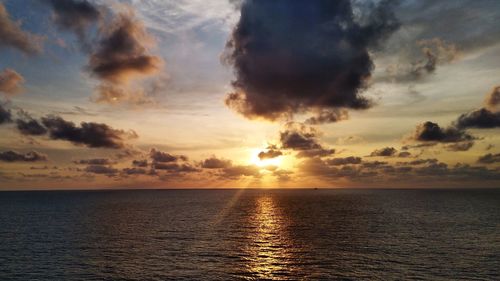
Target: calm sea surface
[(250, 235)]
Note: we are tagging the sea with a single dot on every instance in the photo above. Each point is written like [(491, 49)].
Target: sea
[(251, 234)]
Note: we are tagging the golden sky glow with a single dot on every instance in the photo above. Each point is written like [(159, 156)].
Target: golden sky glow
[(160, 94)]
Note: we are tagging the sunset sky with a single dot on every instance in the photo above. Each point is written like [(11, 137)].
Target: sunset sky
[(249, 93)]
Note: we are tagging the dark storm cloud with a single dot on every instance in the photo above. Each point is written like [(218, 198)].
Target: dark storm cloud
[(75, 16), (95, 161), (14, 156), (481, 119), (90, 134), (12, 35), (431, 132), (5, 115), (385, 152), (10, 82), (215, 163), (489, 158), (271, 153), (344, 161), (295, 56)]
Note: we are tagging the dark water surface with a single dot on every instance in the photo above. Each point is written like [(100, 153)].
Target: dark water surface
[(250, 235)]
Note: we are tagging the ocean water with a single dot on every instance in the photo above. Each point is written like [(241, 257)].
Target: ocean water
[(250, 235)]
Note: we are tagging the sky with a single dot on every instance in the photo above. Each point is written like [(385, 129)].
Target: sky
[(249, 93)]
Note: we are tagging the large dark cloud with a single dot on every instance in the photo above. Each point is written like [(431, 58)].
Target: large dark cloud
[(5, 115), (482, 119), (14, 156), (295, 56), (76, 16), (88, 133), (10, 82), (12, 35)]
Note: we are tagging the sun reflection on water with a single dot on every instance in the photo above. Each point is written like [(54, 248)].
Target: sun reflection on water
[(268, 250)]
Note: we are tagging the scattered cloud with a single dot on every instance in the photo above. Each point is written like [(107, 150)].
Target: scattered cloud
[(269, 154), (344, 161), (11, 82), (385, 152), (90, 134), (12, 35), (489, 158), (14, 156), (482, 119), (95, 161), (432, 132), (215, 163), (75, 16)]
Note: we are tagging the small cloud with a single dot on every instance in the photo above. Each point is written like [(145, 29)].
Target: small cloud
[(271, 153), (14, 156), (384, 152), (489, 158), (215, 163), (10, 82)]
